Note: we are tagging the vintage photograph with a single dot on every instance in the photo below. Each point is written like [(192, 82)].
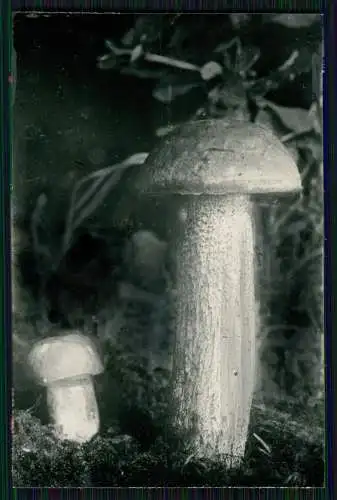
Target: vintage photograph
[(167, 231)]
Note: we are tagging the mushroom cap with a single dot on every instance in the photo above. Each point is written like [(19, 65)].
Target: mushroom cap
[(59, 358), (219, 157)]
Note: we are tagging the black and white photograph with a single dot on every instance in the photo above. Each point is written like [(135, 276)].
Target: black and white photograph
[(167, 243)]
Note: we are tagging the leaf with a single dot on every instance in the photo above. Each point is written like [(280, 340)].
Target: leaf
[(295, 119), (296, 227), (118, 51), (172, 86), (260, 87), (299, 62), (229, 50), (178, 37), (246, 58), (238, 58), (128, 39), (268, 119), (314, 114), (240, 20), (302, 63), (295, 20), (169, 93), (313, 144), (136, 53), (99, 183), (231, 93), (148, 28), (136, 159), (188, 459), (107, 61), (163, 131), (122, 439), (142, 73), (210, 70)]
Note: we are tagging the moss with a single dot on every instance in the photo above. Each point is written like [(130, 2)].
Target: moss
[(285, 448)]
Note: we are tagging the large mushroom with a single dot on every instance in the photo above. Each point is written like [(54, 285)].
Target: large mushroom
[(66, 365), (210, 171)]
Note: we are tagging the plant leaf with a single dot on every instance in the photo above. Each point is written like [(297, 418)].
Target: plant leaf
[(148, 28), (169, 93), (172, 86), (231, 93), (107, 61), (297, 227), (210, 70), (267, 118), (246, 58), (128, 39), (135, 159), (267, 448), (294, 119), (136, 53), (162, 131), (295, 20), (142, 72), (179, 36), (240, 20)]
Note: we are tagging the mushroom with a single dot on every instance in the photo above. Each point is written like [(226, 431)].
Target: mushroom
[(65, 365), (210, 172)]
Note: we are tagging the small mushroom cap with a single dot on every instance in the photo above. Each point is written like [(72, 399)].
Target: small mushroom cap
[(219, 157), (58, 358)]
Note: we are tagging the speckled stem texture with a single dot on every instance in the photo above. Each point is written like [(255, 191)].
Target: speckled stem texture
[(215, 324), (73, 409)]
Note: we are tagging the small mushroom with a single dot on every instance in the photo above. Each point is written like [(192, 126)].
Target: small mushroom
[(66, 365), (210, 172)]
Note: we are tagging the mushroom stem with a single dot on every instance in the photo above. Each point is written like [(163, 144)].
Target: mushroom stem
[(211, 168), (215, 314), (73, 408)]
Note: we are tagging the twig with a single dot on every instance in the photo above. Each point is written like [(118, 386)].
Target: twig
[(153, 58), (171, 62)]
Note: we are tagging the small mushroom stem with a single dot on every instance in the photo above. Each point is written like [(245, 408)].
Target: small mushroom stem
[(215, 323), (73, 408)]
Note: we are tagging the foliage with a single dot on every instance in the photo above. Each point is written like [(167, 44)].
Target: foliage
[(226, 70)]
